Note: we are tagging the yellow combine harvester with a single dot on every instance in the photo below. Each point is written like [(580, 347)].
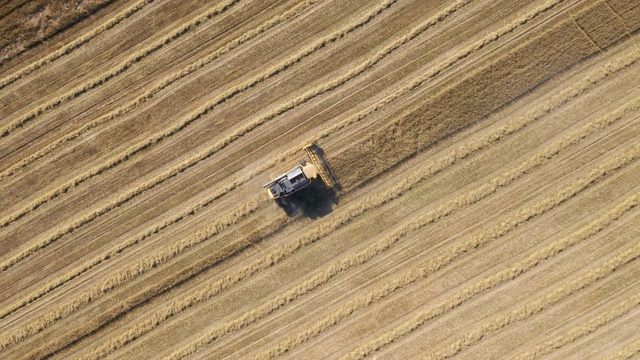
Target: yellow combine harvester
[(300, 176)]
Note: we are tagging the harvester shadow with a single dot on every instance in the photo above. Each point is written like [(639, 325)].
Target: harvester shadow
[(314, 201)]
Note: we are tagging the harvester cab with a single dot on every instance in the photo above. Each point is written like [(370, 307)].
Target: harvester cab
[(300, 176)]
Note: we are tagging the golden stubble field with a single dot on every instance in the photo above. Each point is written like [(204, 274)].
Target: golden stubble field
[(487, 154)]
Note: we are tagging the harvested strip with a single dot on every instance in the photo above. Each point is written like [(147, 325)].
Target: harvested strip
[(117, 249), (20, 33), (443, 210), (466, 101), (441, 67), (351, 213), (445, 162), (505, 275), (583, 330), (626, 352), (216, 147), (113, 162), (124, 275), (69, 48), (156, 288), (117, 70), (507, 224), (587, 277), (157, 88)]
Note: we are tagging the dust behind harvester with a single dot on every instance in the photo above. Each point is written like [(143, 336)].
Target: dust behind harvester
[(301, 176)]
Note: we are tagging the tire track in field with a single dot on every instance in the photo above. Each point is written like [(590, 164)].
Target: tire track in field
[(382, 197), (319, 90), (273, 258), (461, 153), (581, 331), (75, 44), (15, 7), (626, 352), (118, 70), (501, 277), (379, 199), (157, 88), (541, 302), (508, 223), (116, 280), (123, 275), (124, 156)]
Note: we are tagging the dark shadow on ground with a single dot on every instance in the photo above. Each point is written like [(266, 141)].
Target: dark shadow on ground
[(314, 201)]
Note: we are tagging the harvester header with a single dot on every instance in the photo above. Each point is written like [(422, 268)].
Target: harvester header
[(302, 175)]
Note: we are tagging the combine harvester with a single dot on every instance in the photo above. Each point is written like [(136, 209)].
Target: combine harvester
[(301, 176)]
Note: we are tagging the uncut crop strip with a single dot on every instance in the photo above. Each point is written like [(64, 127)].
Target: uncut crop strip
[(447, 161), (383, 197), (124, 156), (117, 70), (503, 227), (74, 45), (540, 303), (444, 65), (442, 163), (461, 55), (581, 331), (158, 87), (323, 88), (534, 60), (107, 284), (210, 290)]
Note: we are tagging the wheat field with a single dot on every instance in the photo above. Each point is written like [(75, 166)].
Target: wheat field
[(486, 153)]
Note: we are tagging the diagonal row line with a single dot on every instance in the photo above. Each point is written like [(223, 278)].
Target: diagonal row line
[(74, 45), (117, 70), (511, 273), (159, 87), (505, 226)]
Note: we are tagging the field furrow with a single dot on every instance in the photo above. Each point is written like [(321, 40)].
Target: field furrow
[(533, 307), (157, 88), (74, 45), (356, 210), (112, 163), (485, 155), (119, 69)]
